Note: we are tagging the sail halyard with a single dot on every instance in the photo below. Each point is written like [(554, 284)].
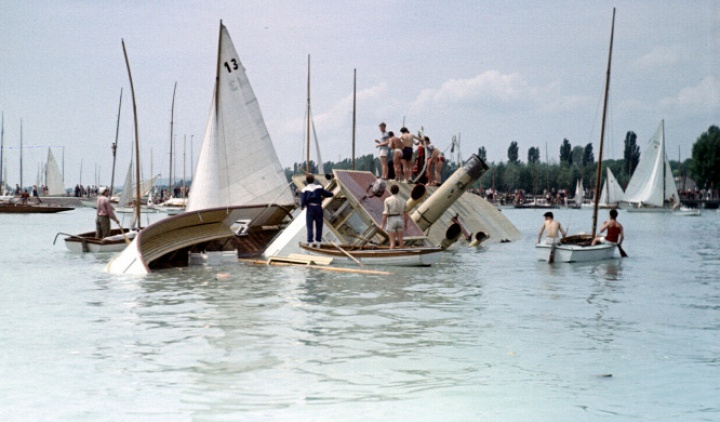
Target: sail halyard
[(602, 132), (238, 164)]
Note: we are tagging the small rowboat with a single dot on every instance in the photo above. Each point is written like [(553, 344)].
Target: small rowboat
[(377, 255), (87, 242)]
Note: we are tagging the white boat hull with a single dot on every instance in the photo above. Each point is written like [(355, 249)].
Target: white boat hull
[(405, 257), (575, 253), (87, 242)]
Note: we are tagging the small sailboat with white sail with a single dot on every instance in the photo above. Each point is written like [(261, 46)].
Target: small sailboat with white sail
[(652, 187)]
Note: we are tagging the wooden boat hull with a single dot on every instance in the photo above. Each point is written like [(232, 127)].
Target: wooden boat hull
[(575, 252), (87, 242), (378, 255), (31, 209), (170, 241)]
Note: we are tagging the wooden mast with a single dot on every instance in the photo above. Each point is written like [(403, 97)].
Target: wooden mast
[(137, 141), (602, 131), (114, 148), (354, 114), (172, 116)]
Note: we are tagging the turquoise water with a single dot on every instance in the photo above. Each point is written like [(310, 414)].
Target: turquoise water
[(487, 334)]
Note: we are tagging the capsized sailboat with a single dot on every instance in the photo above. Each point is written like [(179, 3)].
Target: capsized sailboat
[(652, 187), (579, 248), (240, 197)]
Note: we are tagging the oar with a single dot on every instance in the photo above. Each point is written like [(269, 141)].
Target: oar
[(127, 241), (622, 251), (347, 254)]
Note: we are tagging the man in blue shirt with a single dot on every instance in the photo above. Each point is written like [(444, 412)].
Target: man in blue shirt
[(311, 198)]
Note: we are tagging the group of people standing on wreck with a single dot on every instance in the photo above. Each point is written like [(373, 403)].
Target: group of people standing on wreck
[(398, 161)]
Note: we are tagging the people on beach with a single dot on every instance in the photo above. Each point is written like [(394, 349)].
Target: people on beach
[(395, 217), (615, 233), (551, 228), (311, 198), (104, 214)]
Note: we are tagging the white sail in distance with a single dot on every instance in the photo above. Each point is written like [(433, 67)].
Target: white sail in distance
[(53, 177), (652, 183)]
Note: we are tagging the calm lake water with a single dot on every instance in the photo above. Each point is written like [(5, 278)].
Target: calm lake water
[(488, 334)]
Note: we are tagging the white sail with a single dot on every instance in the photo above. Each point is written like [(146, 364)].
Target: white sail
[(238, 164), (612, 192), (652, 183), (579, 192), (126, 196), (53, 177)]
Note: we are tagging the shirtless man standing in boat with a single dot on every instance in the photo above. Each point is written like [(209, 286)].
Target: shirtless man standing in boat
[(552, 228)]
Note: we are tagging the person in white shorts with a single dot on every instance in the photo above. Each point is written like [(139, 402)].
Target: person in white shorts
[(395, 217)]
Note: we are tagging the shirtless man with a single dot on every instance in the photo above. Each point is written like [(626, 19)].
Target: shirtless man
[(552, 228), (407, 152)]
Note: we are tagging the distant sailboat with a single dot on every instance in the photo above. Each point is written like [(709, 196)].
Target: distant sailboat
[(652, 187), (612, 193), (53, 177)]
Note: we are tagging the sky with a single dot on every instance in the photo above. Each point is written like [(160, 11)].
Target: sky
[(485, 72)]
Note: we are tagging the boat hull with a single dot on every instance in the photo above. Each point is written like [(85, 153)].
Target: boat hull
[(378, 255), (88, 243), (170, 241), (31, 209), (575, 253)]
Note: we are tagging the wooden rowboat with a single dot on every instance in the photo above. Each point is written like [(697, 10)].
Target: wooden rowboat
[(87, 242), (377, 255)]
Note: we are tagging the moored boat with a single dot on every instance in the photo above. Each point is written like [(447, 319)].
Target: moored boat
[(87, 242)]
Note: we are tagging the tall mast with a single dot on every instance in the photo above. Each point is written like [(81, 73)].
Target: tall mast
[(664, 158), (602, 131), (172, 115), (137, 141), (2, 149), (114, 147), (307, 149), (184, 159), (354, 113), (21, 151)]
